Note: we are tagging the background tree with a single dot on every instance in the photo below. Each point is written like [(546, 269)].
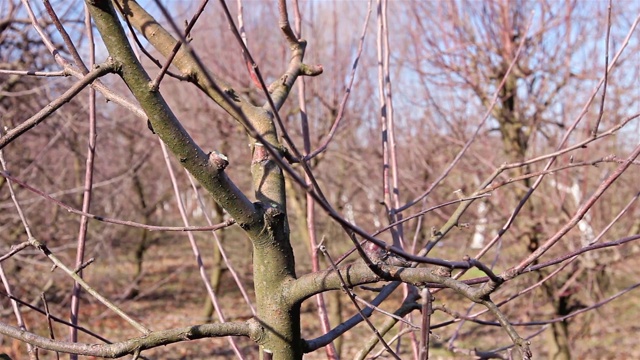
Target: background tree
[(527, 112)]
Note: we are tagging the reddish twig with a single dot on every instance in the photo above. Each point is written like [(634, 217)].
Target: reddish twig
[(346, 289), (195, 249), (41, 115), (323, 316), (579, 214), (155, 84), (54, 318), (67, 39), (418, 214), (347, 91), (141, 47), (33, 351), (256, 71), (562, 143), (606, 71), (88, 177)]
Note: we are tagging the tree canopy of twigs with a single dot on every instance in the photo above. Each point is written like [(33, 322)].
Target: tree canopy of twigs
[(449, 178)]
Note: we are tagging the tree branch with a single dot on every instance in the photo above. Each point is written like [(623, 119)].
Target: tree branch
[(359, 274), (204, 167), (249, 328), (217, 89), (41, 115), (100, 218)]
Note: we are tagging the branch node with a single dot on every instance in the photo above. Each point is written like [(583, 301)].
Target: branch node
[(84, 265), (219, 160), (311, 70)]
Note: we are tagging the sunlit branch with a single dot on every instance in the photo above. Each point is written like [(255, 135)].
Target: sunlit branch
[(43, 114), (133, 346)]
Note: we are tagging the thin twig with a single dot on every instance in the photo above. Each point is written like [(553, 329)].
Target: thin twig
[(33, 351), (72, 210), (606, 159), (577, 217), (66, 38), (485, 269), (486, 184), (382, 311), (132, 345), (562, 143), (531, 336), (606, 71), (384, 124), (258, 74), (397, 231), (555, 261), (35, 73), (473, 318), (579, 145), (295, 69), (195, 249), (38, 245), (84, 265), (45, 39), (347, 91), (88, 177), (353, 321), (521, 345), (155, 84), (583, 250), (130, 171), (43, 248), (422, 212), (346, 289), (141, 47), (413, 216), (14, 250), (99, 71), (396, 338), (108, 93), (49, 323), (323, 316), (316, 192), (408, 305)]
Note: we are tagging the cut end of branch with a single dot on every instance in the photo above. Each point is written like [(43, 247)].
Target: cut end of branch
[(311, 70), (220, 161)]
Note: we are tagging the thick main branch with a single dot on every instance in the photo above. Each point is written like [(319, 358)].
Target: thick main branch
[(217, 89), (208, 171)]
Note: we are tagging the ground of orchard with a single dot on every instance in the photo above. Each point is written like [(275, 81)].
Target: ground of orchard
[(172, 295)]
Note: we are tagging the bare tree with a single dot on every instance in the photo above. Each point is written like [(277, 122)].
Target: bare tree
[(373, 174), (527, 108)]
